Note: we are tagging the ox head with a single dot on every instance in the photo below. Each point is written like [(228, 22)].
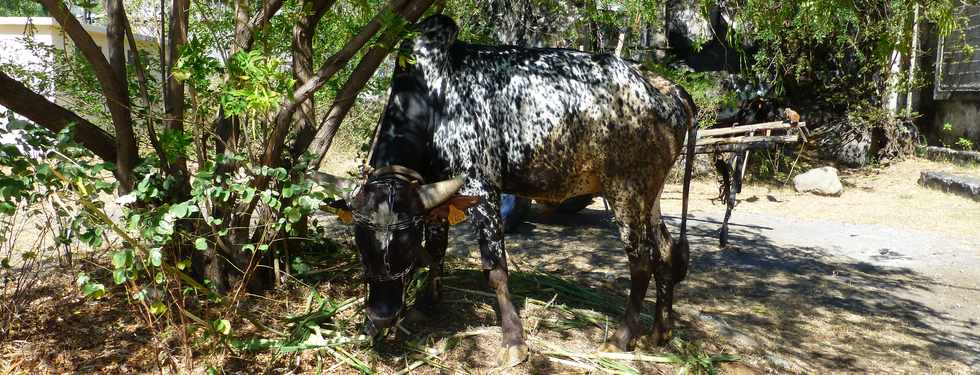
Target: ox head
[(389, 212)]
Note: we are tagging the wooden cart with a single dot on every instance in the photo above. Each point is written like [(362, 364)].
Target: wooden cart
[(739, 140)]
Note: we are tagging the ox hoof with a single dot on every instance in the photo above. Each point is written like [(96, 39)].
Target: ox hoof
[(510, 356), (659, 337), (611, 347)]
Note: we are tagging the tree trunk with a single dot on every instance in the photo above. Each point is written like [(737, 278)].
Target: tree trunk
[(111, 78), (173, 118), (303, 33)]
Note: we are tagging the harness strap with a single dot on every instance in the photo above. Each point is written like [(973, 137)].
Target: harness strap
[(404, 173), (692, 135), (387, 175)]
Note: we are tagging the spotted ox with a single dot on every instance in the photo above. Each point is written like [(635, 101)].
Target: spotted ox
[(475, 121)]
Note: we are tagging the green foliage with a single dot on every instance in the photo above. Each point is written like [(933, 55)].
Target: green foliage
[(90, 288), (21, 8), (704, 87), (255, 84), (961, 142), (833, 48), (693, 360), (964, 144)]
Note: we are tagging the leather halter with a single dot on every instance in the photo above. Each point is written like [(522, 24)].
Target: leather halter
[(404, 173), (379, 176)]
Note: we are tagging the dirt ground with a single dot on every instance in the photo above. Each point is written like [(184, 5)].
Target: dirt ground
[(884, 279)]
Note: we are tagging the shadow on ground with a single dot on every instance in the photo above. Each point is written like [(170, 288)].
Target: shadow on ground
[(782, 308)]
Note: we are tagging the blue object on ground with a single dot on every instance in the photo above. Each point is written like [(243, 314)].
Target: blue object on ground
[(513, 210)]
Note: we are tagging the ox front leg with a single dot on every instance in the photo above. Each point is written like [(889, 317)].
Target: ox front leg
[(435, 247), (494, 259)]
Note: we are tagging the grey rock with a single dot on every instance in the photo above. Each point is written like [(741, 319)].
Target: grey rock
[(820, 181), (962, 185), (948, 154), (856, 153)]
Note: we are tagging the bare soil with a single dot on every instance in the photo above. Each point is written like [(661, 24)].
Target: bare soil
[(884, 279)]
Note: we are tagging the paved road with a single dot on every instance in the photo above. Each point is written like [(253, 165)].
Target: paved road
[(948, 267)]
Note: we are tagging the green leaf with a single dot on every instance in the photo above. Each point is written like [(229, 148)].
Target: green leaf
[(249, 194), (119, 276), (159, 278), (134, 221), (222, 326), (249, 248), (293, 214), (180, 210), (122, 259), (93, 290), (156, 257), (158, 308), (182, 265), (165, 227), (201, 244)]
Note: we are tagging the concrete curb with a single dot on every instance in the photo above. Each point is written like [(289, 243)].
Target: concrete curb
[(961, 185)]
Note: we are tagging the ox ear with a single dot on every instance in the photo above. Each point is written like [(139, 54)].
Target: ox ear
[(344, 213), (340, 186), (436, 193), (452, 209), (437, 31)]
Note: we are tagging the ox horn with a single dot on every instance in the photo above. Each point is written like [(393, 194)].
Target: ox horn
[(436, 193)]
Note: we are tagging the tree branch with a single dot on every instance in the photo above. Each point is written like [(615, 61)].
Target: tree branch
[(25, 102), (82, 39), (269, 9), (178, 171), (144, 93), (329, 68), (409, 10), (340, 59), (302, 51)]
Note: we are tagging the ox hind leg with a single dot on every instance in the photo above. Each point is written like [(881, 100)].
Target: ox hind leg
[(633, 222), (670, 267)]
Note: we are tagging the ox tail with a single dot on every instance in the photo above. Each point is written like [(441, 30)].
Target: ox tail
[(680, 253)]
